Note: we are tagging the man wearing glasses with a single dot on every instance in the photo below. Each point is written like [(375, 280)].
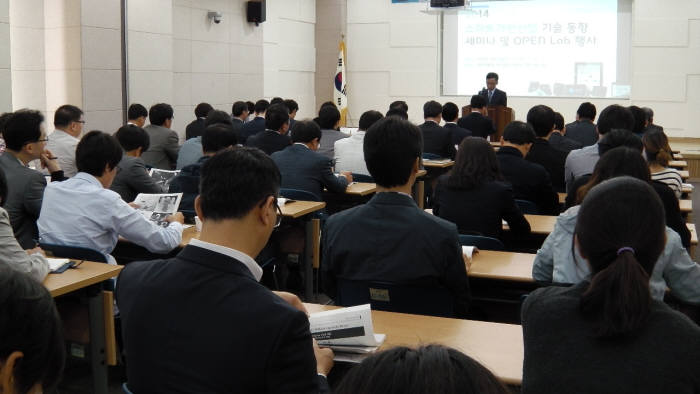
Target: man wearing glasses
[(68, 121), (26, 140)]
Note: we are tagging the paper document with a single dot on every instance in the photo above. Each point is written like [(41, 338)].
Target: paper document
[(157, 207), (55, 264), (347, 330), (163, 177), (470, 251)]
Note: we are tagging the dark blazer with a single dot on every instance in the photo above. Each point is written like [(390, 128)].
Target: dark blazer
[(530, 181), (583, 131), (551, 159), (563, 143), (251, 128), (237, 126), (200, 323), (195, 128), (437, 140), (25, 191), (269, 141), (390, 239), (303, 169), (132, 178), (458, 133), (187, 183), (478, 124), (481, 210), (499, 97)]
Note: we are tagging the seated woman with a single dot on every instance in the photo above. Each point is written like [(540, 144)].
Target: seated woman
[(32, 351), (474, 196), (658, 154), (428, 369), (31, 261), (608, 335), (555, 260)]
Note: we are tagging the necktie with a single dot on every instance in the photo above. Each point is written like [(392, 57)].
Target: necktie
[(490, 95)]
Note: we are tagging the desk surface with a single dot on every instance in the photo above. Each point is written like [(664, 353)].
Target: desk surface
[(490, 264), (684, 174), (497, 346), (88, 273), (678, 164), (443, 163), (686, 205), (361, 188)]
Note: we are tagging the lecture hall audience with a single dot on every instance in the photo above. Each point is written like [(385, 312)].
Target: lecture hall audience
[(437, 140), (275, 137), (348, 151), (68, 123), (164, 142), (583, 130), (658, 154), (132, 176), (541, 118)]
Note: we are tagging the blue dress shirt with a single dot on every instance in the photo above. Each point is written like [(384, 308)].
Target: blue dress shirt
[(190, 152)]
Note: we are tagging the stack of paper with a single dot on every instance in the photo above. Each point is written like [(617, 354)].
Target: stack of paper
[(56, 264)]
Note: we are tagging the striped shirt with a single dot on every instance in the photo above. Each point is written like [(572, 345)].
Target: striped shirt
[(671, 177)]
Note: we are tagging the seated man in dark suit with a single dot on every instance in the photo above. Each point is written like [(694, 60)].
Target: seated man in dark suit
[(25, 140), (541, 118), (390, 239), (215, 138), (132, 176), (274, 138), (200, 322), (239, 113), (583, 129), (293, 108), (436, 139), (196, 127), (530, 181), (450, 114), (257, 124), (476, 121), (303, 168), (492, 95), (559, 140)]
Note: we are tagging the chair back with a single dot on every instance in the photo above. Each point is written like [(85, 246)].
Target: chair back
[(362, 178), (392, 297), (74, 252), (431, 156), (481, 242), (125, 389), (527, 207), (301, 195)]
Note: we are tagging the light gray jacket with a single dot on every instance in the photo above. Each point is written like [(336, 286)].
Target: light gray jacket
[(163, 149), (12, 254), (555, 263), (328, 139)]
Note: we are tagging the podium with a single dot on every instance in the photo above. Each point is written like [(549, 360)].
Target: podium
[(500, 116)]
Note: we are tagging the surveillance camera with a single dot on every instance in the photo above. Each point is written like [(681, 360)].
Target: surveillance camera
[(215, 16)]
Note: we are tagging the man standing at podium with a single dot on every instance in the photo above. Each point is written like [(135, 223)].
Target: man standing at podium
[(492, 95)]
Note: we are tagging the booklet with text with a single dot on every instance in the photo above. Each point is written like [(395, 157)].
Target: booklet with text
[(348, 331)]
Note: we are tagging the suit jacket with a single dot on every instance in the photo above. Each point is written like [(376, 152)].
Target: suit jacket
[(162, 153), (480, 210), (303, 169), (200, 322), (25, 191), (563, 143), (187, 183), (583, 131), (437, 140), (237, 126), (251, 128), (195, 128), (12, 255), (328, 139), (390, 239), (499, 97), (132, 178), (478, 124), (530, 181), (551, 159), (269, 141), (458, 133)]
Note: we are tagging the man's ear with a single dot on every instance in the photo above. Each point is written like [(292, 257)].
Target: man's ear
[(265, 209), (198, 207), (7, 369)]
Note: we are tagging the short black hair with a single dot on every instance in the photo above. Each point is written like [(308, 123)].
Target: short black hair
[(541, 118), (132, 137), (29, 323), (23, 127), (276, 116), (305, 131), (3, 188), (276, 100), (586, 111), (66, 114), (202, 110), (136, 111), (450, 112), (640, 118), (159, 113), (477, 102), (328, 116), (558, 121), (217, 137), (432, 109), (216, 116), (261, 106), (234, 181), (327, 104), (399, 104), (649, 114), (238, 107), (397, 112), (251, 106), (519, 133), (291, 105), (615, 117), (619, 137), (369, 118), (391, 147), (3, 121), (97, 150), (492, 75)]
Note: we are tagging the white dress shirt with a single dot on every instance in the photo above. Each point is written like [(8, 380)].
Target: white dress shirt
[(63, 146), (248, 261), (80, 212), (349, 155)]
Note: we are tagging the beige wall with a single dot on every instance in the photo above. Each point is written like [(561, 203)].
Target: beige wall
[(331, 25), (5, 63)]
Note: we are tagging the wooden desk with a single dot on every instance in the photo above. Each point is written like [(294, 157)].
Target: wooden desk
[(296, 209), (677, 156), (685, 205), (539, 224), (686, 189), (498, 346), (685, 174), (678, 164), (507, 266), (443, 163), (361, 188), (562, 198), (88, 273)]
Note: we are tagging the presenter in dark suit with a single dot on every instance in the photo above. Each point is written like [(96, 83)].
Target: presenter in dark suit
[(492, 95), (436, 139), (201, 322), (303, 168), (257, 124), (450, 114), (476, 121), (390, 239), (274, 138)]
